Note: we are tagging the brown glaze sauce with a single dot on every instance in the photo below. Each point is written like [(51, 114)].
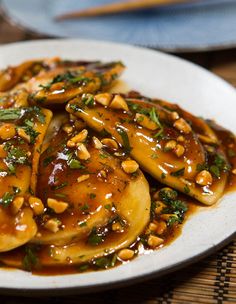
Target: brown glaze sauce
[(56, 180), (17, 255)]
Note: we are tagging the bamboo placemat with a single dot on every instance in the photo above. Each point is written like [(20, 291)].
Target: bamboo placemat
[(213, 280)]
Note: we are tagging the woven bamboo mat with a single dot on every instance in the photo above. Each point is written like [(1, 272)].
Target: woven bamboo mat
[(213, 280)]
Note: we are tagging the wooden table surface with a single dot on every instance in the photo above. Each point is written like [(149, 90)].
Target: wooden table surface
[(212, 280)]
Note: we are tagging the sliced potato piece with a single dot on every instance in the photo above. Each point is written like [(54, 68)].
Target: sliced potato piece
[(165, 145)]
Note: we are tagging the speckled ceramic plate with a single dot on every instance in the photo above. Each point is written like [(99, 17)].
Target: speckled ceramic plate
[(154, 74), (197, 25)]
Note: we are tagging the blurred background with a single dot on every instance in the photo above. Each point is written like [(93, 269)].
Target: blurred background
[(202, 31)]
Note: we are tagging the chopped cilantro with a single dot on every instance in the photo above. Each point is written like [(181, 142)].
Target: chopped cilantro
[(186, 189), (231, 153), (103, 262), (7, 199), (75, 164), (62, 185), (30, 260), (10, 114), (48, 160), (95, 238), (88, 100), (177, 173), (125, 139)]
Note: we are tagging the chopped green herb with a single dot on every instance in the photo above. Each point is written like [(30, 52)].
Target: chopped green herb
[(61, 195), (103, 155), (231, 153), (30, 260), (154, 117), (16, 155), (113, 260), (11, 114), (92, 195), (163, 175), (103, 262), (82, 224), (31, 132), (7, 199), (88, 100), (62, 185), (85, 207), (215, 171), (95, 238), (177, 173), (75, 164), (186, 189), (125, 139), (48, 160), (154, 155), (108, 206), (83, 267), (201, 167), (173, 220)]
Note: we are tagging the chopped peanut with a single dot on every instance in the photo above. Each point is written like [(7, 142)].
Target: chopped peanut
[(97, 143), (83, 178), (36, 204), (67, 128), (154, 241), (207, 140), (77, 139), (73, 117), (182, 126), (17, 204), (179, 150), (152, 227), (103, 173), (117, 227), (57, 206), (118, 102), (21, 132), (159, 207), (234, 171), (82, 152), (52, 225), (110, 143), (161, 228), (7, 131), (103, 98), (130, 166), (170, 145), (145, 122), (125, 254), (204, 178), (174, 115), (3, 153), (79, 124), (180, 138)]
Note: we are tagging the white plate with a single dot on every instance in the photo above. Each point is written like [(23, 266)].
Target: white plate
[(154, 74)]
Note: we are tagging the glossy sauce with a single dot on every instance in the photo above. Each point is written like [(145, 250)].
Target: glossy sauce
[(95, 204)]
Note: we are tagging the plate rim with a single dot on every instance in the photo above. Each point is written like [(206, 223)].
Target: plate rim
[(140, 277), (6, 14), (92, 289)]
